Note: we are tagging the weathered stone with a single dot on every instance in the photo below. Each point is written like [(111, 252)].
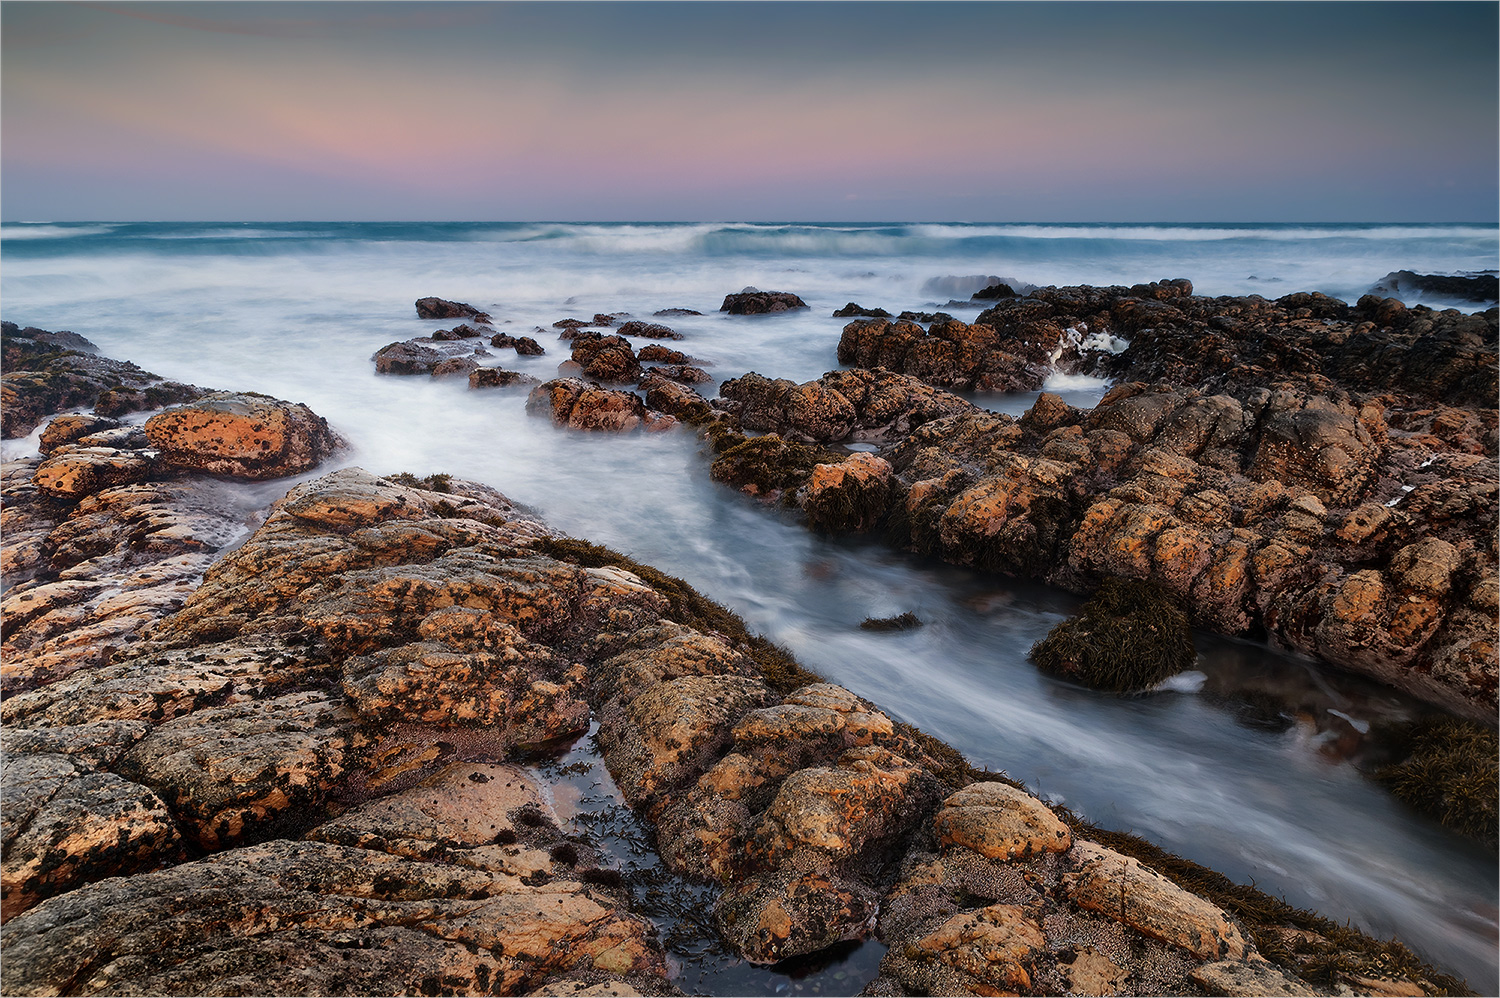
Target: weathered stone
[(1249, 978), (776, 916), (999, 821), (1121, 888), (752, 302), (243, 435)]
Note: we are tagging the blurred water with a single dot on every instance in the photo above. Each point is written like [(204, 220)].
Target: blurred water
[(297, 311)]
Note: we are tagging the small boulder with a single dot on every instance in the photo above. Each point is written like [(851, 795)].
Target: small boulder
[(648, 330), (243, 435), (437, 308), (753, 302), (998, 821), (407, 357), (494, 377)]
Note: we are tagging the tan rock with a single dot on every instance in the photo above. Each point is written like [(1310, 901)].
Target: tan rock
[(993, 945), (1121, 888), (1251, 978), (81, 471), (999, 821)]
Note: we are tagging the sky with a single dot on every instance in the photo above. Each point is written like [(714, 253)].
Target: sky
[(985, 112)]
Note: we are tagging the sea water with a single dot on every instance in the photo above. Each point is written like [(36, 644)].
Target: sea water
[(1203, 768)]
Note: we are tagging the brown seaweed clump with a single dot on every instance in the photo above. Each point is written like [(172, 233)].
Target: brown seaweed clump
[(902, 622), (1450, 771), (1128, 637)]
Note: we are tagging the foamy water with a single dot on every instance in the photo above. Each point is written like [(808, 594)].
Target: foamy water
[(296, 311)]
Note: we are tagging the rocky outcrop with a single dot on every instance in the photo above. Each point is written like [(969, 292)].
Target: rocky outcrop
[(437, 308), (46, 373), (581, 405), (422, 355), (242, 435), (327, 722), (1476, 288), (525, 346), (753, 302), (494, 377), (648, 330), (841, 405), (605, 358)]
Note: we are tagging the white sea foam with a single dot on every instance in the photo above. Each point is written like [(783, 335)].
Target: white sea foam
[(50, 230)]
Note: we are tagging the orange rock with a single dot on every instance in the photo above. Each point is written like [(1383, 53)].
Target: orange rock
[(999, 821)]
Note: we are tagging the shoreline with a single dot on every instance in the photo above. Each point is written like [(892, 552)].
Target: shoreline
[(608, 560)]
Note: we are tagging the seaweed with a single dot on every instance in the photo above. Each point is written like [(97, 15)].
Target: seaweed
[(903, 622), (852, 506), (1128, 637), (1449, 770), (767, 463)]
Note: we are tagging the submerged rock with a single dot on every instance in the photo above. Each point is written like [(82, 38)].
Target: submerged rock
[(753, 302)]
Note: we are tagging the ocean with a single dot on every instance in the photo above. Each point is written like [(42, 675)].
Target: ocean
[(1203, 767)]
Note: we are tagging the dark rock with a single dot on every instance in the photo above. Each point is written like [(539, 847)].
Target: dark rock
[(407, 357), (582, 406), (455, 367), (437, 308), (494, 377), (684, 373), (648, 330), (852, 310), (662, 313), (523, 345), (606, 358), (1476, 288), (996, 290), (752, 302), (459, 332), (243, 435)]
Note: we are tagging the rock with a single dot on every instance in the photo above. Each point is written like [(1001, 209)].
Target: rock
[(665, 312), (463, 331), (999, 821), (523, 345), (76, 827), (752, 302), (417, 927), (1249, 978), (657, 354), (494, 377), (778, 916), (66, 429), (82, 471), (648, 330), (1123, 889), (848, 497), (1477, 288), (674, 399), (864, 404), (455, 367), (581, 406), (606, 358), (666, 736), (437, 308), (243, 435), (852, 310), (684, 373), (47, 373), (408, 357), (988, 951)]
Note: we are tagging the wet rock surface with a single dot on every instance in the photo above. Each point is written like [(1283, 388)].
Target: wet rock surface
[(753, 302)]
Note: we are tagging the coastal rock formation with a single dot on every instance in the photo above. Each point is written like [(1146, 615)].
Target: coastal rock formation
[(242, 435), (606, 358), (648, 330), (581, 405), (47, 372), (437, 308), (1476, 288), (862, 405), (494, 377), (525, 346), (753, 302), (421, 355)]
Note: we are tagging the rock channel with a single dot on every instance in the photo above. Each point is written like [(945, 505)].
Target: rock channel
[(290, 768)]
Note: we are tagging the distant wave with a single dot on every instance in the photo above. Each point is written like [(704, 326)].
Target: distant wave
[(52, 230), (1202, 233)]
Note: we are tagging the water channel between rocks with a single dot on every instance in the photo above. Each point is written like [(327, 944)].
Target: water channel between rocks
[(1247, 766)]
